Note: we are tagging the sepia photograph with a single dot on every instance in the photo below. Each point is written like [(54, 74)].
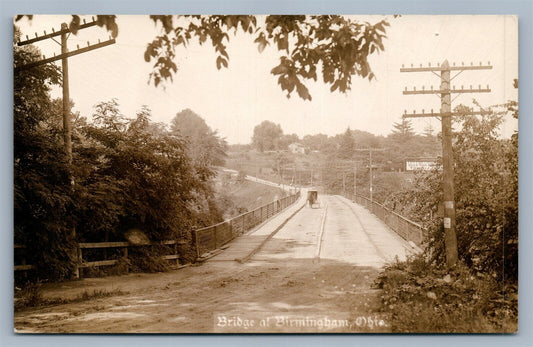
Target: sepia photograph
[(222, 174)]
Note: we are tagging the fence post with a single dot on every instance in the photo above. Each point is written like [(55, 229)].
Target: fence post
[(125, 257), (78, 263), (195, 233), (215, 232)]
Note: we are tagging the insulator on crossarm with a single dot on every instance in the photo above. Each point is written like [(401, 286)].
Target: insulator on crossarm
[(453, 87), (92, 18), (84, 22), (431, 110), (462, 87), (44, 32), (420, 65), (402, 66), (414, 88), (414, 111), (488, 63), (470, 87), (27, 37), (463, 63), (471, 64), (480, 63), (453, 63), (422, 111), (78, 46), (488, 86), (44, 56), (404, 111), (429, 64), (87, 43), (411, 65), (35, 34), (423, 87), (98, 40), (479, 86), (53, 30), (431, 87), (405, 88)]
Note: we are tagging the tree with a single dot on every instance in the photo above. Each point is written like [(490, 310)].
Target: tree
[(42, 185), (403, 130), (428, 130), (315, 142), (267, 136), (287, 139), (337, 45), (205, 147), (486, 198), (347, 145)]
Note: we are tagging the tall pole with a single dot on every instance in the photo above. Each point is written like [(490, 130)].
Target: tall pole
[(66, 96), (355, 178), (450, 237), (446, 114), (371, 174)]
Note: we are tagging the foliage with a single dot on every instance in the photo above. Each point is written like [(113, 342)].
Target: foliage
[(126, 173), (347, 145), (267, 136), (340, 46), (42, 185), (403, 130), (204, 146), (423, 298), (486, 199)]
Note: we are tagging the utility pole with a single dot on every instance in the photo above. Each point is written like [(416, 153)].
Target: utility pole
[(446, 114), (355, 179), (370, 150), (65, 54)]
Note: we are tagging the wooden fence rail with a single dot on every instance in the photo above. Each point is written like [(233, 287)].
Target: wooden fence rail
[(206, 239)]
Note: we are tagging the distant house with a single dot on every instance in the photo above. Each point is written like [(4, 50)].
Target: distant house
[(297, 147)]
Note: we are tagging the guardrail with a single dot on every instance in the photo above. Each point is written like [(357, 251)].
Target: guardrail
[(404, 227), (83, 263), (212, 237), (206, 239)]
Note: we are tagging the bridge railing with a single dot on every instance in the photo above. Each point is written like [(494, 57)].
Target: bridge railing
[(212, 237), (404, 227), (206, 239)]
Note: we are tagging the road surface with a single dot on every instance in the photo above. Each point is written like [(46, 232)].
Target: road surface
[(305, 270)]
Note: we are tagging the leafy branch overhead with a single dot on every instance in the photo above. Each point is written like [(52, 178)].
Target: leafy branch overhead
[(336, 47)]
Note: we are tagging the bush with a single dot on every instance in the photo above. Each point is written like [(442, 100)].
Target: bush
[(421, 297)]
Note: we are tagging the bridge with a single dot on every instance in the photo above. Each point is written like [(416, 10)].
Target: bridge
[(303, 270)]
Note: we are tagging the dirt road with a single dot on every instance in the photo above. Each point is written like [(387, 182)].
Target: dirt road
[(314, 274)]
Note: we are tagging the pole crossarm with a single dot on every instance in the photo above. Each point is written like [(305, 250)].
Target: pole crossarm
[(440, 68), (53, 34), (443, 91), (65, 55), (445, 114)]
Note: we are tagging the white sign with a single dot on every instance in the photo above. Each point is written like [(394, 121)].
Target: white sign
[(419, 165)]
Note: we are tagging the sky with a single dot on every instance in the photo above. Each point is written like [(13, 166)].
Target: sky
[(234, 100)]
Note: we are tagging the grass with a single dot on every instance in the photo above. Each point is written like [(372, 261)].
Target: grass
[(236, 197), (422, 298), (32, 296)]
